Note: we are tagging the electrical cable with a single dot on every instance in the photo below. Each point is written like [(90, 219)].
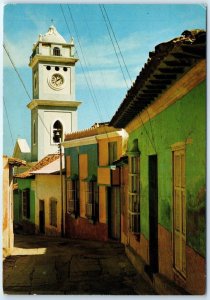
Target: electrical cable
[(152, 141), (8, 123), (116, 42), (114, 47), (22, 82)]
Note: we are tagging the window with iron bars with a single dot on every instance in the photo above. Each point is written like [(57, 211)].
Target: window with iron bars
[(72, 197), (92, 201), (56, 51), (134, 195)]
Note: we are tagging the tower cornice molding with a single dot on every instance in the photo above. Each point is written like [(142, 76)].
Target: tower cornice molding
[(52, 103), (54, 59)]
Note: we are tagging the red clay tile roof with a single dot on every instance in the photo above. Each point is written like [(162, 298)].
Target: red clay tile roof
[(15, 161), (96, 129), (43, 162), (165, 65)]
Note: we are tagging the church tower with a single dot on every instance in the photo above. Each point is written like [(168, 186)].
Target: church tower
[(53, 108)]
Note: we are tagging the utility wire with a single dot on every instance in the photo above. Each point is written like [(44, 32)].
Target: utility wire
[(22, 82), (83, 71), (96, 56), (89, 83), (114, 46), (152, 141), (16, 71), (116, 42), (65, 19), (8, 123)]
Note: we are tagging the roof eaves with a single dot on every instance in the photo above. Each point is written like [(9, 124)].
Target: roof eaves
[(43, 162), (165, 65)]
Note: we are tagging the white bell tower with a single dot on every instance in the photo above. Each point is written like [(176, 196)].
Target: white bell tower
[(53, 108)]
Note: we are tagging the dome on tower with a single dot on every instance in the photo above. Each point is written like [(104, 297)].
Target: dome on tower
[(52, 36)]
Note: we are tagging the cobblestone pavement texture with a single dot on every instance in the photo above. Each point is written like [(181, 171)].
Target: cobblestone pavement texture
[(53, 266)]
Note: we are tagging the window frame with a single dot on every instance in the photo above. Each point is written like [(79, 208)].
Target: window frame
[(57, 129), (56, 51), (91, 203), (134, 194), (112, 150), (72, 199)]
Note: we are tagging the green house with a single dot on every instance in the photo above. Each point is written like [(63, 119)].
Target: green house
[(164, 114)]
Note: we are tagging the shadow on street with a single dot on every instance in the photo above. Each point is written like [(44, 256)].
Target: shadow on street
[(53, 265)]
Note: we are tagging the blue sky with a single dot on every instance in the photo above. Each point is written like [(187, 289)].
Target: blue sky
[(138, 29)]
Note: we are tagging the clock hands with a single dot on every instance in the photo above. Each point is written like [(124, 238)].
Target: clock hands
[(57, 80)]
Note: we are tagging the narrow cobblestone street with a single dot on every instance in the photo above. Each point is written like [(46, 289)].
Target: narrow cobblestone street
[(48, 265)]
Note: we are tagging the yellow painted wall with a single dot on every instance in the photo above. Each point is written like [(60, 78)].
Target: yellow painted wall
[(104, 176), (105, 173), (103, 149), (103, 152), (48, 186)]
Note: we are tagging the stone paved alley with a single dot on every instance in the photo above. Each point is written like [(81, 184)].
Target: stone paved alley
[(48, 265)]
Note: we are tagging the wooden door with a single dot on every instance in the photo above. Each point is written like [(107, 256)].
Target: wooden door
[(179, 211), (114, 213), (41, 216)]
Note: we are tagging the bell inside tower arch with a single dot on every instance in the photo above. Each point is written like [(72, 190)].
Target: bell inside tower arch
[(57, 131)]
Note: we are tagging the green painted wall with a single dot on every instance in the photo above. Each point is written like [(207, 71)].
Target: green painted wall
[(24, 184), (184, 120), (91, 151), (17, 206)]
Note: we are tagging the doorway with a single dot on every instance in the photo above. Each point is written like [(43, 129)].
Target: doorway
[(41, 216), (114, 213), (153, 213)]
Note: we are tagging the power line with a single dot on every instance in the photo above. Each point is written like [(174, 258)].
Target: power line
[(8, 123), (89, 85), (114, 47), (96, 56), (88, 80), (13, 64), (22, 82), (116, 42), (152, 141)]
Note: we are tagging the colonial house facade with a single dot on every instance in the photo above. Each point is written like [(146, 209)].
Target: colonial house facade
[(38, 202), (164, 182), (88, 158)]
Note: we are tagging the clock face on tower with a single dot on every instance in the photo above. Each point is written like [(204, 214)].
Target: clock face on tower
[(56, 81)]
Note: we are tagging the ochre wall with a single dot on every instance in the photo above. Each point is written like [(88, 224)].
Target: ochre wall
[(47, 187)]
